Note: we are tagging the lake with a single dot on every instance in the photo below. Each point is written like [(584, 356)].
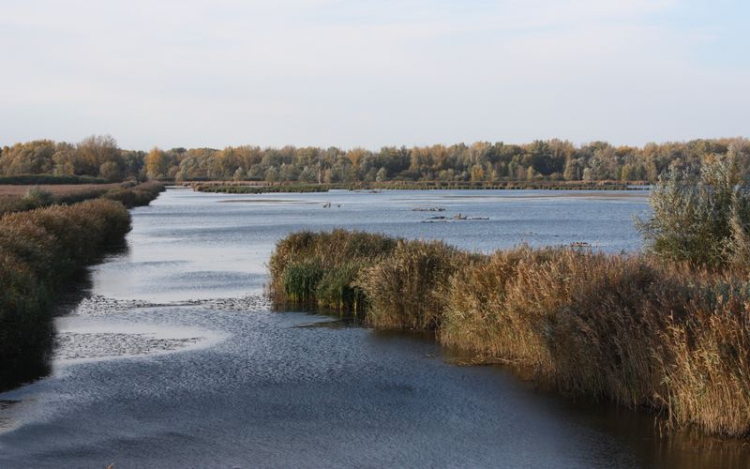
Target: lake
[(171, 356)]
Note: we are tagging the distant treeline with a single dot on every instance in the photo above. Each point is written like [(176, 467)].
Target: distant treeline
[(548, 160)]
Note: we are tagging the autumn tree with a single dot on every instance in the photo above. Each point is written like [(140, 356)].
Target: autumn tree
[(157, 164)]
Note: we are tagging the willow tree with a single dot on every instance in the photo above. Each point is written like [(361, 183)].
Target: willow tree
[(699, 215)]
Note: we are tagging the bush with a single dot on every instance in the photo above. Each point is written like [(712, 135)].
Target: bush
[(38, 197), (693, 212), (135, 196)]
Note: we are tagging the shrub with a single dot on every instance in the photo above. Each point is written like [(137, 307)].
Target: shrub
[(693, 212), (38, 197)]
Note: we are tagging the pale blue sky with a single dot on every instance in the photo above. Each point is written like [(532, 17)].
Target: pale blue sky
[(373, 73)]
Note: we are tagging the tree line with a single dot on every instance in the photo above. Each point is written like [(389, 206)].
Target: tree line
[(541, 160)]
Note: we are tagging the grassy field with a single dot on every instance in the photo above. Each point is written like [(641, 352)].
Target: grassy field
[(631, 329), (15, 190), (16, 198)]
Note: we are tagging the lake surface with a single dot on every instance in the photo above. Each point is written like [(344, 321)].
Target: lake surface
[(174, 359)]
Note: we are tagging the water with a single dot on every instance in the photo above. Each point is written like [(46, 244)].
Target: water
[(173, 358)]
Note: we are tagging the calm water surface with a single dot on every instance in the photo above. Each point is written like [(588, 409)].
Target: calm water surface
[(173, 358)]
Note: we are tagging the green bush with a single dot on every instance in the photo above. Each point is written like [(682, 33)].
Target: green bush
[(699, 216)]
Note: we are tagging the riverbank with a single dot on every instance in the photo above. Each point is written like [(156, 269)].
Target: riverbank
[(20, 198), (241, 187), (628, 329), (40, 250)]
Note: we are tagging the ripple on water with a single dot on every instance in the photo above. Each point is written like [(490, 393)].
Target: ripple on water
[(102, 328)]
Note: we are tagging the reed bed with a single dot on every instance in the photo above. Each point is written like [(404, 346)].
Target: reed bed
[(136, 195), (321, 268), (632, 329), (49, 179), (40, 249), (33, 197)]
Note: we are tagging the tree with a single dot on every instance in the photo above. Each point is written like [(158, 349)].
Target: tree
[(93, 152), (382, 175), (477, 173), (272, 174), (110, 170), (157, 164), (699, 215)]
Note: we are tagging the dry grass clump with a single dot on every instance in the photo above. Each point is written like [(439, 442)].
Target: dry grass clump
[(707, 372), (33, 197), (136, 195), (7, 190), (625, 328), (406, 290), (321, 268), (39, 249), (476, 318)]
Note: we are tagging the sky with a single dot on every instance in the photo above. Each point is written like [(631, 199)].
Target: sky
[(350, 73)]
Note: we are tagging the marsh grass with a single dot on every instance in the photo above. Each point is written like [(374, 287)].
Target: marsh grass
[(129, 194), (321, 268), (407, 289), (632, 329), (39, 250)]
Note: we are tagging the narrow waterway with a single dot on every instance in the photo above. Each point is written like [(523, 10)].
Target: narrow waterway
[(174, 359)]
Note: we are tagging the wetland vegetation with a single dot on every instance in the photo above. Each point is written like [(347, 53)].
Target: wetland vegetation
[(45, 239), (666, 329)]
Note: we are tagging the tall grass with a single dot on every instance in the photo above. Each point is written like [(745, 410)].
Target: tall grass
[(135, 195), (40, 249), (406, 290), (27, 179), (631, 329), (129, 194), (321, 268)]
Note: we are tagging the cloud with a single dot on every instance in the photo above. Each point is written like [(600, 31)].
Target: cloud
[(343, 72)]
